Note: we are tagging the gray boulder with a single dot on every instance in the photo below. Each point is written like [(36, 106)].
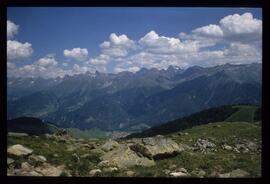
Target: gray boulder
[(110, 145), (94, 172), (155, 147), (37, 158), (19, 150), (50, 170), (16, 134), (238, 173), (124, 157), (10, 161)]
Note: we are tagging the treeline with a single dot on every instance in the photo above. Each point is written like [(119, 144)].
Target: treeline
[(216, 114)]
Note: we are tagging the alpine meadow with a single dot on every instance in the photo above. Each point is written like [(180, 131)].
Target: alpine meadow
[(169, 92)]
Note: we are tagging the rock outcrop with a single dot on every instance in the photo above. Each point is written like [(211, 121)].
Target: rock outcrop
[(124, 157), (109, 145), (19, 150), (155, 147), (238, 173)]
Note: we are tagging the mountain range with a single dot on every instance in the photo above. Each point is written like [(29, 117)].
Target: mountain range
[(124, 100)]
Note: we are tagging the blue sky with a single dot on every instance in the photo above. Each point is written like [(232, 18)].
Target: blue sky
[(52, 30)]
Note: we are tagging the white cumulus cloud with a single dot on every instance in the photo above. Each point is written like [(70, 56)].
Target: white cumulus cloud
[(210, 30), (231, 28), (154, 43), (241, 24), (12, 29), (17, 50), (47, 62), (117, 46), (80, 54)]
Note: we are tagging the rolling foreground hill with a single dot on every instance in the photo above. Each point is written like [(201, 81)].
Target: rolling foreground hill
[(215, 149), (246, 113), (120, 101)]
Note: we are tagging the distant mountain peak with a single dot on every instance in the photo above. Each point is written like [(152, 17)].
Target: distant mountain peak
[(174, 67)]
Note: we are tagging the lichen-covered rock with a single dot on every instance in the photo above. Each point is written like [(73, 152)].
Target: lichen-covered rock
[(227, 147), (94, 172), (124, 157), (155, 147), (204, 144), (110, 169), (10, 161), (103, 163), (19, 150), (109, 145), (178, 174), (130, 173), (198, 173), (49, 170), (242, 148), (37, 158), (251, 146), (238, 173), (16, 134)]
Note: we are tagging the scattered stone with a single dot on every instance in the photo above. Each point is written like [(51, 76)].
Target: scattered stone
[(180, 133), (37, 158), (48, 136), (130, 173), (166, 171), (251, 146), (97, 151), (178, 174), (87, 155), (46, 145), (61, 132), (34, 173), (124, 157), (186, 133), (173, 166), (10, 161), (103, 163), (87, 146), (236, 150), (16, 134), (49, 170), (71, 147), (238, 173), (205, 145), (19, 150), (198, 172), (183, 170), (77, 158), (94, 172), (55, 155), (109, 145), (227, 147), (25, 166), (214, 174), (242, 148), (110, 169)]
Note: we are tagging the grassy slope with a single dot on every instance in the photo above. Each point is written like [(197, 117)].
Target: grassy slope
[(58, 147), (224, 113), (221, 161), (245, 113)]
